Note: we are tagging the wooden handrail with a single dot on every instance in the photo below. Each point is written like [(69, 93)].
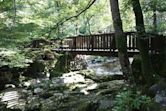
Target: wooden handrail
[(106, 41)]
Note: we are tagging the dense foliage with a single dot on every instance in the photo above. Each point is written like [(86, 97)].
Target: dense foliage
[(21, 21), (13, 59)]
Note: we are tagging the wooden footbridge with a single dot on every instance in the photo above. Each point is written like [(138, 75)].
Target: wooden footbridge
[(104, 44)]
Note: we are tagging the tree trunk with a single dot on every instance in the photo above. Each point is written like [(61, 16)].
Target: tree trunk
[(120, 38), (154, 19), (143, 44), (164, 60)]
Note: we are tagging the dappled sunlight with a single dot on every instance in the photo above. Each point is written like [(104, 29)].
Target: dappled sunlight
[(72, 77), (12, 99), (77, 80), (90, 87)]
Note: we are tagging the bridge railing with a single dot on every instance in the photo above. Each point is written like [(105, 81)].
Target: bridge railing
[(107, 42)]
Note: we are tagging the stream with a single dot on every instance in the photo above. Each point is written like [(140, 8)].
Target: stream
[(103, 66)]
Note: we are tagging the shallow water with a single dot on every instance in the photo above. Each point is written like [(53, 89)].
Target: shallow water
[(101, 66)]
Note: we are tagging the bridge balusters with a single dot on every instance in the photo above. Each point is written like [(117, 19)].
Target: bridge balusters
[(108, 42), (94, 42), (134, 41), (129, 41), (85, 42), (101, 41), (132, 46), (104, 42), (77, 43), (112, 42), (97, 42), (74, 43), (89, 42), (81, 42)]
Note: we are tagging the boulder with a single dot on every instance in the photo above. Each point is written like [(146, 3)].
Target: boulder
[(158, 91), (38, 91), (158, 87)]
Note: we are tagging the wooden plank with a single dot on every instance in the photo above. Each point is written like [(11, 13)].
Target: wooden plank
[(130, 42), (97, 42), (101, 42), (92, 41), (134, 42), (110, 40), (113, 47), (104, 42), (89, 42)]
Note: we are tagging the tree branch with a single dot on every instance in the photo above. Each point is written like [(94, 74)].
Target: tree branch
[(91, 2)]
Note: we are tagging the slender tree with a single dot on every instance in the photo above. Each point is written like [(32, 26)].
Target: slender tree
[(155, 20), (121, 43), (143, 44)]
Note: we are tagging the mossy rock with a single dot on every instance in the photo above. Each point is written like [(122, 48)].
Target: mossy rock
[(88, 106), (3, 107), (137, 70), (33, 105), (35, 69), (155, 107)]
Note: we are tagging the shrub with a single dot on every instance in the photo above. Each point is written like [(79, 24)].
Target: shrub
[(129, 100)]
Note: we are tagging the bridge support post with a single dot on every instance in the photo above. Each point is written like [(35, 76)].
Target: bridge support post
[(92, 43)]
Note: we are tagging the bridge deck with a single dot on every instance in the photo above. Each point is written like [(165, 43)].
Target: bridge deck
[(96, 52), (104, 44)]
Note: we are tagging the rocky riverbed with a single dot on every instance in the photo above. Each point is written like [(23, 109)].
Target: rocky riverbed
[(93, 88), (74, 91)]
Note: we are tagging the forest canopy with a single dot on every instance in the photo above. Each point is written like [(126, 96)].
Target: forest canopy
[(23, 20)]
